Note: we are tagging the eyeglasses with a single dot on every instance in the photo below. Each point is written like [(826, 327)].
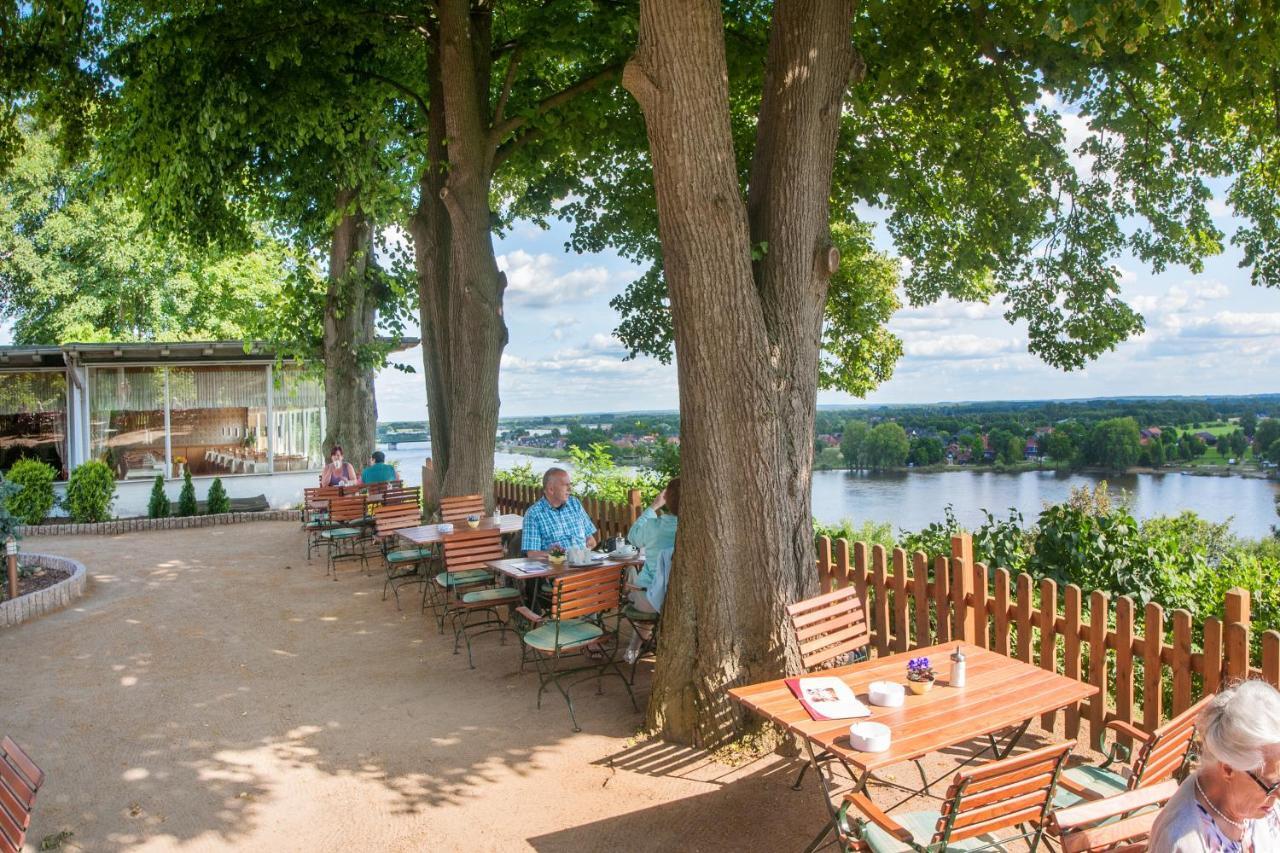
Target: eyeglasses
[(1270, 790)]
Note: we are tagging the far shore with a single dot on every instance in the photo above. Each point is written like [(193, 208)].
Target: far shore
[(1249, 473)]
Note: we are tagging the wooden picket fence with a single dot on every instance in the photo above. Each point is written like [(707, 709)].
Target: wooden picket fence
[(611, 519), (1137, 656)]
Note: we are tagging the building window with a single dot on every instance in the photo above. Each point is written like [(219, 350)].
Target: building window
[(298, 408), (218, 419), (33, 418), (126, 420)]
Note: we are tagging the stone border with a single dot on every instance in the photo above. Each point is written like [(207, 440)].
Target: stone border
[(131, 525), (40, 602)]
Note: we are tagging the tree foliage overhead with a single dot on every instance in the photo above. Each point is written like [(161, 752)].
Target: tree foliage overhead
[(81, 263)]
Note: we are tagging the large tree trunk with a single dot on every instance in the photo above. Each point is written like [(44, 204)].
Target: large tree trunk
[(350, 316), (460, 285), (746, 339)]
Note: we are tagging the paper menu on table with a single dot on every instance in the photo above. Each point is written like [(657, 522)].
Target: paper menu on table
[(529, 567), (827, 698)]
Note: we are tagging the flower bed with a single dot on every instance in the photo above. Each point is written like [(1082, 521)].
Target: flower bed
[(49, 598)]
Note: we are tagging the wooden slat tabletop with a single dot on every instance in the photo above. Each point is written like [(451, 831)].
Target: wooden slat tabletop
[(429, 534), (518, 567), (999, 692)]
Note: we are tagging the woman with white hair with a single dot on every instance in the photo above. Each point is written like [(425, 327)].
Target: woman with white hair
[(1231, 804)]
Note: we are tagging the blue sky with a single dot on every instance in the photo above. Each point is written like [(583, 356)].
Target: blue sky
[(1210, 333)]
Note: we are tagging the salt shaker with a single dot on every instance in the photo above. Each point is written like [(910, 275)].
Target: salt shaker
[(957, 668)]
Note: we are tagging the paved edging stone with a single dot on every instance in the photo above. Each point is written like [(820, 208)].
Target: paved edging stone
[(131, 525), (46, 600)]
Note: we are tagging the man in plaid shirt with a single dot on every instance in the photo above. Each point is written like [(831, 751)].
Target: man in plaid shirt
[(557, 518)]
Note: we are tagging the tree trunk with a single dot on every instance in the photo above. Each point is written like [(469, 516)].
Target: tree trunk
[(460, 285), (350, 316), (746, 340)]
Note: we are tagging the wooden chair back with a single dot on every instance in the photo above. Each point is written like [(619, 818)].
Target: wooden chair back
[(347, 508), (1167, 749), (389, 518), (403, 495), (377, 490), (1114, 824), (591, 592), (20, 779), (471, 549), (458, 507), (1000, 794), (319, 497), (830, 626)]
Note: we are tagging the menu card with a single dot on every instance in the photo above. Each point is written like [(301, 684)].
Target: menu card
[(827, 698)]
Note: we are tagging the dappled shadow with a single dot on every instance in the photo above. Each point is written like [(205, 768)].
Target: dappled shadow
[(213, 687)]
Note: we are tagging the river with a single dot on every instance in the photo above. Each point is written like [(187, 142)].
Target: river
[(913, 500)]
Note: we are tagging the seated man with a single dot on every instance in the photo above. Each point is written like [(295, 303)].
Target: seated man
[(557, 518), (378, 471)]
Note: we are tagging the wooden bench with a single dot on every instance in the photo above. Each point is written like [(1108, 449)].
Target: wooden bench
[(20, 779)]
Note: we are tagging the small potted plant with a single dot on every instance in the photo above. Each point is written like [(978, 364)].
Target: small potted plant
[(556, 555), (473, 521), (919, 675), (179, 465)]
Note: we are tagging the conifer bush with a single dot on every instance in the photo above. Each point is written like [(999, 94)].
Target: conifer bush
[(158, 506), (187, 497), (218, 500)]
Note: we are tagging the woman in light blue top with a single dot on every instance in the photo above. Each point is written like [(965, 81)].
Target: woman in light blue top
[(656, 534)]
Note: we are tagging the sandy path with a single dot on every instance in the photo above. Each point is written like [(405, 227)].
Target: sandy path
[(215, 691)]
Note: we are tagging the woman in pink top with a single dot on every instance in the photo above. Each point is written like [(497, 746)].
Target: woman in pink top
[(338, 472)]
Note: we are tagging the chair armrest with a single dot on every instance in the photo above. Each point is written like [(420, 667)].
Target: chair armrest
[(528, 615), (1129, 730), (1090, 813), (863, 804)]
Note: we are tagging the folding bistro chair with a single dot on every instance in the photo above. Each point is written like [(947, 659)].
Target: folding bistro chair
[(645, 620), (315, 515), (1165, 753), (1011, 792), (405, 565), (20, 779), (583, 623), (403, 495), (347, 538), (1117, 824), (456, 509), (465, 555), (462, 553), (830, 629)]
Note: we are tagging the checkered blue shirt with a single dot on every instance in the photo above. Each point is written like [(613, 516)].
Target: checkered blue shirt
[(544, 526)]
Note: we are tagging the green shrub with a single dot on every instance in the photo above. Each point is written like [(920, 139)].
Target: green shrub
[(90, 492), (158, 506), (33, 502), (218, 500), (187, 497), (871, 532), (9, 522)]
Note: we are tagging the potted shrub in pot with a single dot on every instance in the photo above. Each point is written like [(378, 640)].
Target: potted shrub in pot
[(556, 555)]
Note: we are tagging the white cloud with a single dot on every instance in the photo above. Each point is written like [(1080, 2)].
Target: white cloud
[(960, 346), (532, 280), (1189, 297)]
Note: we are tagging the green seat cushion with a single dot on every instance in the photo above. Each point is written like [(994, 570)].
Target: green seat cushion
[(497, 595), (636, 615), (572, 632), (409, 555), (921, 825), (468, 577), (1104, 783), (319, 524), (341, 533)]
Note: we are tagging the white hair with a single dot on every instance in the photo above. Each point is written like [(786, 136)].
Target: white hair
[(1240, 723)]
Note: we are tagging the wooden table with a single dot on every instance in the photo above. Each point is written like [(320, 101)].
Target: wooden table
[(518, 568), (1000, 693), (429, 534)]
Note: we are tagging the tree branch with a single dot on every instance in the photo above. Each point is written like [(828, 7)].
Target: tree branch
[(395, 84), (500, 110), (507, 149), (564, 96)]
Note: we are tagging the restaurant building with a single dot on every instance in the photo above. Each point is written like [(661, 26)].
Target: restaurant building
[(218, 408)]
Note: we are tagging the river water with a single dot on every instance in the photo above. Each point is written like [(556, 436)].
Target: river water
[(913, 500)]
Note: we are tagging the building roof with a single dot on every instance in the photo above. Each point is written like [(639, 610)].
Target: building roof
[(151, 352)]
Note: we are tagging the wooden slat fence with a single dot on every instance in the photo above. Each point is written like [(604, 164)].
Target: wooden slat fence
[(1137, 656), (611, 519)]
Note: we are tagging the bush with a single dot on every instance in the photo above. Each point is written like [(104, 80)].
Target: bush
[(9, 523), (218, 500), (33, 503), (90, 492), (871, 532), (187, 497), (158, 505)]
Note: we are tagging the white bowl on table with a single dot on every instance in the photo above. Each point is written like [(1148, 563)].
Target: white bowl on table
[(886, 694), (444, 527), (869, 737)]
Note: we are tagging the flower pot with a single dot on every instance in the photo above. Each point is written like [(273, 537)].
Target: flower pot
[(920, 687), (557, 561)]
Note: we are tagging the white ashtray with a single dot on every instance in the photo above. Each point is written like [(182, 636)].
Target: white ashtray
[(886, 694), (869, 737), (445, 527)]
